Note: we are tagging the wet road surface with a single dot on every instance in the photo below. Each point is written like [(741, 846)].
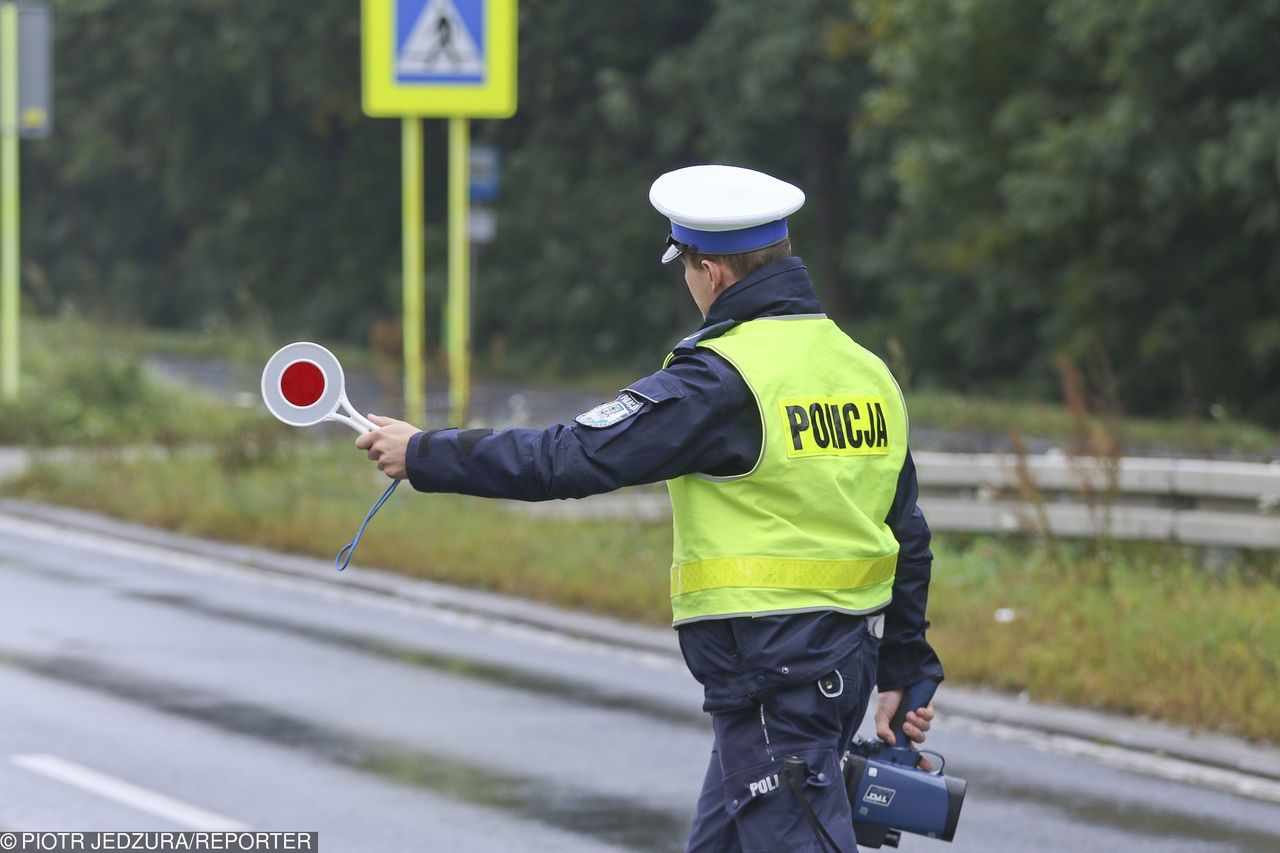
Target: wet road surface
[(205, 693)]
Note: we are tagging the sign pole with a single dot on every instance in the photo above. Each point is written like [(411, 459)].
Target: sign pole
[(9, 202), (414, 272), (453, 59), (459, 309)]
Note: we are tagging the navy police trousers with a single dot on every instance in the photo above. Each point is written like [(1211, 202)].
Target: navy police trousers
[(746, 804)]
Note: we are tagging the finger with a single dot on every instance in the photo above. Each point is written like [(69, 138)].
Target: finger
[(921, 723), (884, 732), (926, 764), (381, 420), (913, 734), (364, 440)]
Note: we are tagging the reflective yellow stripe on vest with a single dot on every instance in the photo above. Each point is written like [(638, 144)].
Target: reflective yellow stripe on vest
[(771, 572)]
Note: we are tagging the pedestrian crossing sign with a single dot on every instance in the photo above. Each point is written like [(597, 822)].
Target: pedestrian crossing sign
[(439, 58)]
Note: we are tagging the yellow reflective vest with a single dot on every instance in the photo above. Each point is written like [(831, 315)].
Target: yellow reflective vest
[(805, 528)]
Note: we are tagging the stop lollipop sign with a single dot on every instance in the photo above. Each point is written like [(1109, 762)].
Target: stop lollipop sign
[(303, 385)]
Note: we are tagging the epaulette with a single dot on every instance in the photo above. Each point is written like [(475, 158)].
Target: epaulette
[(690, 343)]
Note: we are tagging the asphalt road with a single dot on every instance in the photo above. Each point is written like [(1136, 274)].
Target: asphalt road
[(147, 686)]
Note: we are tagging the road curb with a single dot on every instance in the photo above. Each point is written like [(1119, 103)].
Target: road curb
[(1149, 736), (1207, 749)]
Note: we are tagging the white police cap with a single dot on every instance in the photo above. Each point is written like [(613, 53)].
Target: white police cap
[(723, 210)]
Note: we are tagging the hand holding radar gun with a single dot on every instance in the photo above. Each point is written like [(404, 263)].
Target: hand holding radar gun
[(303, 385), (888, 790)]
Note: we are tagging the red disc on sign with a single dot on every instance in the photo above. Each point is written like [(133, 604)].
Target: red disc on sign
[(302, 383)]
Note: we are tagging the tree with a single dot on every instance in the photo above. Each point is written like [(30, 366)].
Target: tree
[(211, 160), (778, 86), (1079, 176)]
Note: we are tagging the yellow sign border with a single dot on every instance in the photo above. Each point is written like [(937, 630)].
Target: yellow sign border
[(383, 97)]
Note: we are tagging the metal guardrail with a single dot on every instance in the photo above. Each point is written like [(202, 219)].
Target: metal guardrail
[(1192, 501)]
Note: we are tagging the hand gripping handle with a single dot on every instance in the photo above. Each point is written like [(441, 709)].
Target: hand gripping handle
[(915, 696)]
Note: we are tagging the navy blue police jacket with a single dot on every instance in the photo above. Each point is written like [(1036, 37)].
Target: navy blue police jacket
[(697, 415)]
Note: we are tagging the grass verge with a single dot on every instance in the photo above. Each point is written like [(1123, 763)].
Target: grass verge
[(311, 502), (1137, 629), (85, 385), (1140, 629)]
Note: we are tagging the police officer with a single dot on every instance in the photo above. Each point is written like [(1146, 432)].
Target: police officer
[(802, 563)]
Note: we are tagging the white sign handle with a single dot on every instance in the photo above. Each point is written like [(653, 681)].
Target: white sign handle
[(355, 420)]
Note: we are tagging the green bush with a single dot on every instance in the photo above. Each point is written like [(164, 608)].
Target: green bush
[(93, 394)]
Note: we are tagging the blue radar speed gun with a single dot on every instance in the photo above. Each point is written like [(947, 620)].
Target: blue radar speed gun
[(889, 792)]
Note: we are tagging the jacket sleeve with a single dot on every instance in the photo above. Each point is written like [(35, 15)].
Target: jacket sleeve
[(695, 415), (905, 655)]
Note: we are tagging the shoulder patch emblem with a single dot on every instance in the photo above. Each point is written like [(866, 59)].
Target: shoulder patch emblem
[(608, 414)]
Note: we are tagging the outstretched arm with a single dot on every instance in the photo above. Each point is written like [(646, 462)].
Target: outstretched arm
[(687, 417)]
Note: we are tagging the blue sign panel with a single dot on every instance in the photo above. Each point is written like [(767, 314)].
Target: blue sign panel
[(486, 168), (440, 41)]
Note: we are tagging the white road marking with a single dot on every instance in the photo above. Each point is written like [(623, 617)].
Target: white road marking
[(127, 794)]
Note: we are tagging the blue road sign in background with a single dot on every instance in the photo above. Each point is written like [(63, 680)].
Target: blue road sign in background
[(440, 41), (486, 169)]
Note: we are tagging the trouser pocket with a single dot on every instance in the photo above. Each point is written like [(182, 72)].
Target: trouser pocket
[(767, 814)]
